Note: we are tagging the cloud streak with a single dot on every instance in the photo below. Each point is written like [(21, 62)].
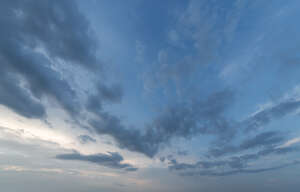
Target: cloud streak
[(111, 160), (240, 171), (230, 166), (262, 140)]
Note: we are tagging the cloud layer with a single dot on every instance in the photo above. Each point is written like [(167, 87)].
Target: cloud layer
[(185, 84)]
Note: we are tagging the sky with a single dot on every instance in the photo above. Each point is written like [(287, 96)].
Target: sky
[(167, 96)]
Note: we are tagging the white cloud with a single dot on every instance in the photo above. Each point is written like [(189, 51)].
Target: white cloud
[(290, 142)]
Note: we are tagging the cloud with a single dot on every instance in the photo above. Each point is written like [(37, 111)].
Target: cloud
[(269, 114), (180, 121), (86, 139), (290, 142), (104, 94), (111, 160), (229, 166), (38, 36), (265, 139), (162, 159), (240, 171), (15, 97), (255, 123), (183, 153)]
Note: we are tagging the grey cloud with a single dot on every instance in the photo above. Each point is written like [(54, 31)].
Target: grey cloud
[(162, 159), (239, 171), (16, 98), (112, 94), (267, 115), (195, 117), (183, 120), (203, 27), (86, 139), (183, 153), (131, 139), (231, 165), (111, 160), (57, 25), (264, 139), (104, 94), (62, 32), (256, 121)]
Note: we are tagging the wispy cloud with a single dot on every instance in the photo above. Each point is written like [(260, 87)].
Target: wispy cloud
[(290, 142)]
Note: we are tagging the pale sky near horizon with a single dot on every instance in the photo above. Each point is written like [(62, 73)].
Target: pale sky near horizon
[(167, 96)]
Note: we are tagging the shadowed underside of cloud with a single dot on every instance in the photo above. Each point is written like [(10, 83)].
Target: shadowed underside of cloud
[(111, 160)]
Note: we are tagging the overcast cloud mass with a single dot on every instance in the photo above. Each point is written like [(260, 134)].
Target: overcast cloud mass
[(197, 95)]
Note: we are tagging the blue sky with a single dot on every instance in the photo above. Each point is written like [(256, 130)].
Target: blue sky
[(149, 96)]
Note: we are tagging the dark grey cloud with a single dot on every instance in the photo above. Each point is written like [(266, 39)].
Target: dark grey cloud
[(57, 26), (162, 159), (15, 97), (104, 94), (111, 160), (86, 139), (180, 121), (58, 29)]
